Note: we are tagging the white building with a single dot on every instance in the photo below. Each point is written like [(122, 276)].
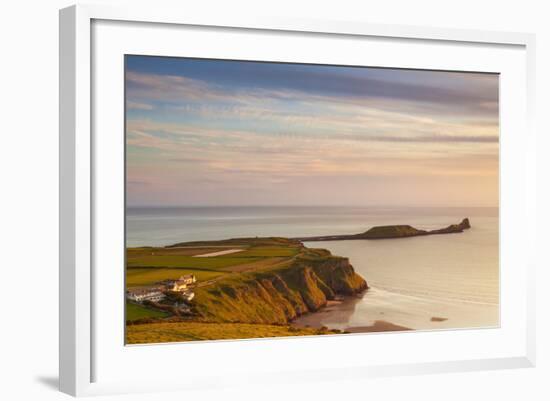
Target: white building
[(145, 294), (179, 285), (188, 279)]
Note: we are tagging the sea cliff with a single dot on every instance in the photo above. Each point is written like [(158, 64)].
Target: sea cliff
[(255, 290), (278, 295)]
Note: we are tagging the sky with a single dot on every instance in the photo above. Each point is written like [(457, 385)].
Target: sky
[(205, 132)]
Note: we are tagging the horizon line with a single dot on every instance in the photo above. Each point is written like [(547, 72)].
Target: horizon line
[(313, 205)]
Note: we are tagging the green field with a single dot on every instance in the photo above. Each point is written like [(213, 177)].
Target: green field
[(144, 276), (193, 331), (267, 252), (240, 298), (185, 251), (190, 262), (148, 265), (135, 312)]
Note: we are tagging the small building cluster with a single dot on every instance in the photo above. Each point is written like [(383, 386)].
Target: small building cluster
[(179, 285), (157, 293), (145, 294)]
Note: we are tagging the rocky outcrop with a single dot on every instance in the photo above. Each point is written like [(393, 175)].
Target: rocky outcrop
[(453, 228), (395, 231)]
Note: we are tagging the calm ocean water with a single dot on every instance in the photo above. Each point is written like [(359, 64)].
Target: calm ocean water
[(412, 280)]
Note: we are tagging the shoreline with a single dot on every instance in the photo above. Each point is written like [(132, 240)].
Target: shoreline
[(377, 327), (315, 319), (335, 311)]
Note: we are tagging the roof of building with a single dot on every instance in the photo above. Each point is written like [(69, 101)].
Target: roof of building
[(144, 291)]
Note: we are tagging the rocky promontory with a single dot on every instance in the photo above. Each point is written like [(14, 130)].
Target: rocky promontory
[(279, 295), (393, 231)]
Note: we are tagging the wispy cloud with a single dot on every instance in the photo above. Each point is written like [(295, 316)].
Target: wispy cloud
[(431, 139), (470, 94), (138, 106)]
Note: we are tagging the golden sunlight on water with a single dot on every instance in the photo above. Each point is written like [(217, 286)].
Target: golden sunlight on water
[(434, 282)]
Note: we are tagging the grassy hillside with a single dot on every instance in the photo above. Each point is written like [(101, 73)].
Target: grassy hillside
[(258, 289), (252, 242), (148, 265), (138, 277), (281, 293), (193, 331), (392, 232)]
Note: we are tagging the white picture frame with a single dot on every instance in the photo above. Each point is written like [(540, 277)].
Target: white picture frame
[(79, 212)]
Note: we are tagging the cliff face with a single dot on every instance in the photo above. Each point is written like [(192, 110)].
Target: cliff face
[(279, 295)]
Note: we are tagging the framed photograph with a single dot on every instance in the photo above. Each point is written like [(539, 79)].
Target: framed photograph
[(269, 199)]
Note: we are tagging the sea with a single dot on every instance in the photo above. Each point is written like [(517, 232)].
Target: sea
[(422, 283)]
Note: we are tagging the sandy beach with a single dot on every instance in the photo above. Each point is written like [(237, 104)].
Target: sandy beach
[(378, 326), (345, 306), (315, 320)]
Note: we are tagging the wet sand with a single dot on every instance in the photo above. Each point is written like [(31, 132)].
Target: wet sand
[(344, 306), (339, 309), (378, 326)]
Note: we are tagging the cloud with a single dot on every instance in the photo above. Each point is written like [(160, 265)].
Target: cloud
[(263, 130), (170, 87), (252, 156), (138, 106), (459, 90), (431, 139), (212, 115)]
